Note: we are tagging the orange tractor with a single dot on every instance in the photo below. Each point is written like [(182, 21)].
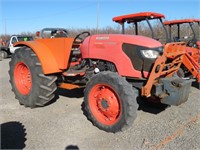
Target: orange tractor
[(191, 61), (191, 58), (115, 70)]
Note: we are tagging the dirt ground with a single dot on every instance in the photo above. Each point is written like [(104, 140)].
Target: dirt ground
[(62, 125)]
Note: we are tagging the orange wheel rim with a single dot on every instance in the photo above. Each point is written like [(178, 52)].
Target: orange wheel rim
[(22, 78), (105, 104)]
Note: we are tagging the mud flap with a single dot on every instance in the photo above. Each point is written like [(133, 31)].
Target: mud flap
[(173, 90)]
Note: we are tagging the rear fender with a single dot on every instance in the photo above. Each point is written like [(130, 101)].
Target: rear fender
[(53, 53)]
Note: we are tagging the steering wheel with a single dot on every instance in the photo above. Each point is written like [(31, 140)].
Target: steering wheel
[(81, 37)]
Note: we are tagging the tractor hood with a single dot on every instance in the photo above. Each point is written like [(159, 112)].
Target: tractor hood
[(129, 39), (125, 51)]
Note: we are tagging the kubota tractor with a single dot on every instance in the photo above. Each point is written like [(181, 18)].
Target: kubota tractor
[(191, 60), (115, 70)]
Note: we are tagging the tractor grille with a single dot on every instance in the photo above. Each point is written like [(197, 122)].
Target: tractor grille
[(139, 62)]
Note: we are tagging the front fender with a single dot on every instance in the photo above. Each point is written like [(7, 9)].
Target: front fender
[(53, 54)]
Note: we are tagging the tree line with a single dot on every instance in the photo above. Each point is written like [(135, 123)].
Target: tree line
[(143, 29)]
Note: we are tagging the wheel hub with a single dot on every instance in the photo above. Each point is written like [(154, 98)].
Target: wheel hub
[(105, 104), (22, 78)]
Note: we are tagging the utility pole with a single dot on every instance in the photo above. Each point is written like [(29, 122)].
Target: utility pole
[(97, 29), (5, 27), (1, 16)]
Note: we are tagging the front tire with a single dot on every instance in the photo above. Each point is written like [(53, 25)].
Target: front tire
[(110, 102), (31, 87)]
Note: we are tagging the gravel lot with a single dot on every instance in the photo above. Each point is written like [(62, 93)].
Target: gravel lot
[(62, 125)]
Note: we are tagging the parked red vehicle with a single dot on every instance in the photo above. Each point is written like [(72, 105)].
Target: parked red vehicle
[(191, 58), (192, 43)]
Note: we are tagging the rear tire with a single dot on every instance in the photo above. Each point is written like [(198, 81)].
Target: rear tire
[(4, 54), (31, 87), (1, 56), (110, 102)]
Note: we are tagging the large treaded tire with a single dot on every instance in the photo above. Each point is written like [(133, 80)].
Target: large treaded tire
[(180, 73), (5, 54), (1, 56), (124, 93), (42, 87)]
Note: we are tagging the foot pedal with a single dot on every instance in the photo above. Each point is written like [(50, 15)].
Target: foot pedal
[(72, 72)]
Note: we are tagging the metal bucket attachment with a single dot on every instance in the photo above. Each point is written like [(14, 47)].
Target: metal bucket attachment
[(173, 90)]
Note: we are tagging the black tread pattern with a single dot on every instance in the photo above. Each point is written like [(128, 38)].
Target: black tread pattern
[(180, 73), (128, 97), (43, 86), (1, 56), (5, 55)]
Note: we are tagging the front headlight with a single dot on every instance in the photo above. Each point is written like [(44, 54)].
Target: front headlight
[(150, 53)]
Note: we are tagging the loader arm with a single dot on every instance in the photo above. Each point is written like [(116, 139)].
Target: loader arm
[(192, 66), (174, 53)]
